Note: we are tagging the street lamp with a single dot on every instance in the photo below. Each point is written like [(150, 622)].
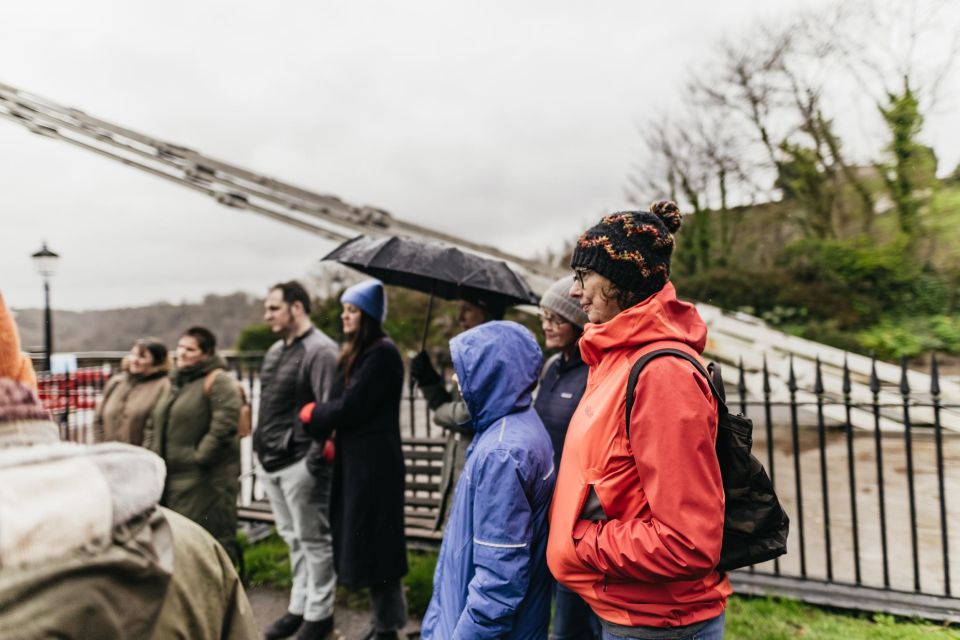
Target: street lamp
[(46, 263)]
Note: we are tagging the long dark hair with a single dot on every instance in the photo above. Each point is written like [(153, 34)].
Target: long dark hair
[(369, 332)]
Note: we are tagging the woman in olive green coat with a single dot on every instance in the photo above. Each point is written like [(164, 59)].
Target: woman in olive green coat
[(194, 429)]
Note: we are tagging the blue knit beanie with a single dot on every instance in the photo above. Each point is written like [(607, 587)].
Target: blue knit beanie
[(368, 296)]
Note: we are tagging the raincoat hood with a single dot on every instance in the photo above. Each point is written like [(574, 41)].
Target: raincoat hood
[(498, 364), (660, 317)]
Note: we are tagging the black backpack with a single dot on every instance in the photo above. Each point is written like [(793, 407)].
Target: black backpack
[(755, 526)]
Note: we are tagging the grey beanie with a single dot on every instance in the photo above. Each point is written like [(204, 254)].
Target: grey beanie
[(557, 299)]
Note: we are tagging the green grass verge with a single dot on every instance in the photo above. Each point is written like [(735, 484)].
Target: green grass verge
[(747, 618), (779, 619), (268, 565), (419, 580)]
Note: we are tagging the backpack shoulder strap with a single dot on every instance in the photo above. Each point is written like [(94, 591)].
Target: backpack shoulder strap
[(642, 361), (208, 381)]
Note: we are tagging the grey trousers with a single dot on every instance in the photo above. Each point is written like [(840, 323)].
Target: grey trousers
[(301, 509)]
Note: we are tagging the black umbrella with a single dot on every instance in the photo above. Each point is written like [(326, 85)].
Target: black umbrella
[(437, 269)]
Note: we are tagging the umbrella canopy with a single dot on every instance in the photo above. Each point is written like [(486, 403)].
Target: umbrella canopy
[(437, 269)]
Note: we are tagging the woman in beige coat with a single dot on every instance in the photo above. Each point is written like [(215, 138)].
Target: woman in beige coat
[(129, 397)]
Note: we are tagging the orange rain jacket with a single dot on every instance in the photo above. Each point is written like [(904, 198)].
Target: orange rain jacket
[(652, 561)]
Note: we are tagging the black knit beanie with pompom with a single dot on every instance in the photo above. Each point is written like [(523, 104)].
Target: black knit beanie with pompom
[(632, 249)]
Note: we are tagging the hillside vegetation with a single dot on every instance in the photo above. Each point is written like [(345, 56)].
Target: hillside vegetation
[(236, 320), (820, 114), (117, 329), (883, 293)]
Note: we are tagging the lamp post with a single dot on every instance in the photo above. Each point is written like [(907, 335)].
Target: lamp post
[(46, 263)]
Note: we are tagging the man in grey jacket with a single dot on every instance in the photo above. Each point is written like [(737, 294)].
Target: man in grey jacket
[(298, 369)]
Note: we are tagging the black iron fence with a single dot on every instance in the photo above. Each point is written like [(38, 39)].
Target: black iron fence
[(869, 473), (871, 492)]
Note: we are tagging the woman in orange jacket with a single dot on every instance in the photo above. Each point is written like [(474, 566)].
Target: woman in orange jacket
[(636, 521)]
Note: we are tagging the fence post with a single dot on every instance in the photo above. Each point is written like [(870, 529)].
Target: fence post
[(911, 490), (851, 471), (768, 415), (68, 398), (878, 448), (938, 439), (824, 487), (798, 480), (742, 392), (412, 387)]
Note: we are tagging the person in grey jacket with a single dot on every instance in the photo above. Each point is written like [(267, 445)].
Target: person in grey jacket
[(298, 369)]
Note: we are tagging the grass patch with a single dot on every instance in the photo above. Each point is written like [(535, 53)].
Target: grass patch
[(268, 565), (419, 580), (780, 619), (747, 618)]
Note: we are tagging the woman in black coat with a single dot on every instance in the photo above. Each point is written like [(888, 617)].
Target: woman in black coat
[(363, 416)]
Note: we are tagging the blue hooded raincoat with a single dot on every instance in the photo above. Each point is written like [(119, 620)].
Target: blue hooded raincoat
[(492, 579)]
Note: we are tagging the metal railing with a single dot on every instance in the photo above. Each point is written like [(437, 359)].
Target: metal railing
[(872, 508)]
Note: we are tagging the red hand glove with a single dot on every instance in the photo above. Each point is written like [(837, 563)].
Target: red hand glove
[(329, 450), (307, 412)]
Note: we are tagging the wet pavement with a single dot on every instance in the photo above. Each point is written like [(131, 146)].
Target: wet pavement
[(268, 604)]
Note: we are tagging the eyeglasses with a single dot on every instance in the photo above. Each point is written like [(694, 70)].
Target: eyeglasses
[(580, 274), (552, 320)]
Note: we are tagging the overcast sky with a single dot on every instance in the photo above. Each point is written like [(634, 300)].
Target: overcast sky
[(511, 123)]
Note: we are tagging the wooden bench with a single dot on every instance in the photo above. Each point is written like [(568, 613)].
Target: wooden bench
[(423, 458)]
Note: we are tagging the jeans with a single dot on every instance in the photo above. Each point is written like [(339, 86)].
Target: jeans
[(712, 631), (573, 619), (389, 606), (301, 508)]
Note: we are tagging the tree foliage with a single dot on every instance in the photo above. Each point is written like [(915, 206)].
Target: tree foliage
[(903, 171), (758, 121)]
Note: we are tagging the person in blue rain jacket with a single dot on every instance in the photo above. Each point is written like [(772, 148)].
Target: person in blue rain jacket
[(491, 579)]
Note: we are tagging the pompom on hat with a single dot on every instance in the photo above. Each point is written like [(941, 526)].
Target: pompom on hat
[(13, 364), (369, 297), (632, 249)]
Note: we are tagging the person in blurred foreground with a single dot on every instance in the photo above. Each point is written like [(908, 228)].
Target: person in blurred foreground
[(491, 579), (636, 523), (90, 554)]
